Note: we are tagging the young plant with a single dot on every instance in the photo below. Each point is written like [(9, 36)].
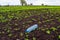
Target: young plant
[(10, 35), (59, 19), (26, 36), (48, 31), (16, 29), (53, 28), (43, 29), (39, 22), (58, 36), (58, 26), (34, 19), (34, 38), (8, 30), (26, 39), (29, 21), (21, 34), (16, 24)]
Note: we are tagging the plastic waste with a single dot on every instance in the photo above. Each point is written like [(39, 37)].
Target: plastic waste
[(31, 28)]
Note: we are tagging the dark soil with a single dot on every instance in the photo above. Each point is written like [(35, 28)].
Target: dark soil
[(15, 29)]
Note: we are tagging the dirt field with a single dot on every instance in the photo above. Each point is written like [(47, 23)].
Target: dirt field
[(49, 28)]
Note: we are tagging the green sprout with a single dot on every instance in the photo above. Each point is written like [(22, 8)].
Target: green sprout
[(16, 24), (59, 20), (8, 31), (26, 16), (39, 22), (26, 33), (26, 36), (10, 35), (33, 19), (47, 20), (48, 31), (34, 38), (53, 28), (26, 39), (16, 29), (21, 34), (43, 29), (59, 36), (29, 21), (58, 27)]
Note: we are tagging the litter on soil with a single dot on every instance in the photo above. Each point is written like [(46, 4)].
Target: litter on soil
[(31, 28)]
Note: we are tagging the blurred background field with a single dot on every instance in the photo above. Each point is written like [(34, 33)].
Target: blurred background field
[(16, 8), (8, 12)]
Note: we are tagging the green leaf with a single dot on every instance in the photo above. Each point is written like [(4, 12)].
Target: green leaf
[(59, 36), (26, 39), (53, 28), (48, 31), (34, 38)]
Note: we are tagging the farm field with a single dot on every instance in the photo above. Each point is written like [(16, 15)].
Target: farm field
[(16, 8), (14, 20)]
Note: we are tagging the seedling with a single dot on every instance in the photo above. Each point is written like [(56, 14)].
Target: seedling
[(26, 16), (43, 29), (34, 38), (23, 23), (10, 35), (53, 28), (58, 36), (52, 15), (58, 26), (26, 39), (16, 29), (26, 36), (29, 21), (26, 33), (48, 31), (39, 22), (21, 34), (8, 30), (34, 19), (17, 39), (16, 24), (47, 20), (59, 19)]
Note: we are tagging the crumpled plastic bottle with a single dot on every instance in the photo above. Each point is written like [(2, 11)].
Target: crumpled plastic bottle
[(31, 28)]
